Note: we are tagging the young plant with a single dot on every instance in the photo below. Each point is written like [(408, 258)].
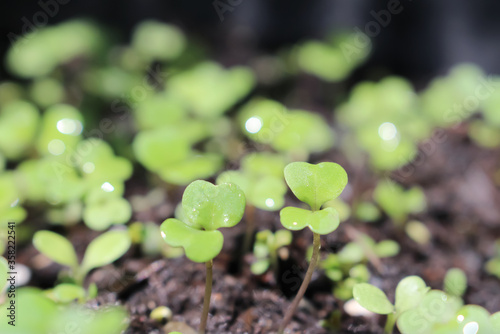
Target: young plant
[(206, 208), (397, 202), (493, 264), (409, 293), (105, 249), (267, 248), (314, 185)]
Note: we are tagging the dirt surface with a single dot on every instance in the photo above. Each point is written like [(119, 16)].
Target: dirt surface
[(463, 215)]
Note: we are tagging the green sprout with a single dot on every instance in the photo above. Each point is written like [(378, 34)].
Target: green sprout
[(46, 92), (266, 249), (18, 127), (48, 316), (493, 265), (207, 208), (397, 202), (103, 250), (296, 132), (208, 90), (455, 282), (484, 134), (409, 293), (314, 185), (332, 60), (418, 232)]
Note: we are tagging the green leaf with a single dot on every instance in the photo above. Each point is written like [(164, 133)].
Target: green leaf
[(197, 166), (321, 222), (200, 246), (351, 253), (55, 247), (101, 215), (455, 282), (495, 321), (387, 248), (259, 267), (409, 293), (372, 298), (315, 184), (66, 293), (105, 249), (282, 238), (211, 207), (155, 40)]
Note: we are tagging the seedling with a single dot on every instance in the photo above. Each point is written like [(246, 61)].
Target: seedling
[(295, 132), (261, 179), (397, 202), (409, 293), (418, 232), (18, 126), (48, 316), (314, 185), (206, 208), (103, 250), (493, 264), (455, 282), (267, 248)]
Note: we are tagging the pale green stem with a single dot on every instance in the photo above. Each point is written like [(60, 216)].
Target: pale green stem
[(206, 300)]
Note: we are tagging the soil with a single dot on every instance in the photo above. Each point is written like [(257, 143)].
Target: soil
[(460, 180)]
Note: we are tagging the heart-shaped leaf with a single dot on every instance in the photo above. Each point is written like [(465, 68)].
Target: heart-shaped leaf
[(105, 249), (55, 247), (321, 222), (315, 184), (409, 292), (200, 246), (372, 298), (210, 207)]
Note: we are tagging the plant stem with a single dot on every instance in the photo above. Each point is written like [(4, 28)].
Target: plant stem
[(249, 220), (206, 300), (307, 279), (389, 324)]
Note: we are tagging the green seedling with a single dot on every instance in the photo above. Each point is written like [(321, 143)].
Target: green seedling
[(455, 282), (18, 126), (208, 90), (43, 54), (367, 212), (261, 179), (409, 294), (267, 248), (493, 265), (484, 134), (332, 60), (154, 40), (397, 202), (296, 132), (46, 92), (383, 121), (102, 251), (160, 110), (206, 209), (418, 232), (314, 185), (148, 236), (342, 208), (47, 316)]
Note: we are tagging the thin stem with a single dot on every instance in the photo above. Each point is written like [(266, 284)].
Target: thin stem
[(206, 300), (389, 323), (250, 226), (307, 279)]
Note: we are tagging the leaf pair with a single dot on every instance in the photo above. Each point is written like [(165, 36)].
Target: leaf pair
[(103, 250), (314, 185), (206, 208)]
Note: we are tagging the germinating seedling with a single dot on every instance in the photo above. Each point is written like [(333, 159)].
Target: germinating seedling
[(266, 248), (206, 209), (314, 185), (103, 250)]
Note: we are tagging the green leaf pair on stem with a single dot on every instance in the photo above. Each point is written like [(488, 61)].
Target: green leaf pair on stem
[(103, 250)]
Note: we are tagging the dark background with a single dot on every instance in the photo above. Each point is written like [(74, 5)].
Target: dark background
[(424, 40)]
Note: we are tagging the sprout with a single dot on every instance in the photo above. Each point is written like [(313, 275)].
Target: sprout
[(158, 41), (266, 249), (103, 250), (206, 208), (314, 185), (397, 202)]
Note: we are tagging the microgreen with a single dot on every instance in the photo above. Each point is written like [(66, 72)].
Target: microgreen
[(409, 293), (266, 249), (314, 185), (18, 126), (103, 250), (207, 208), (397, 202)]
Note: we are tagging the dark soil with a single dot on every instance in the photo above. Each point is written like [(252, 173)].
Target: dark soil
[(461, 182)]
